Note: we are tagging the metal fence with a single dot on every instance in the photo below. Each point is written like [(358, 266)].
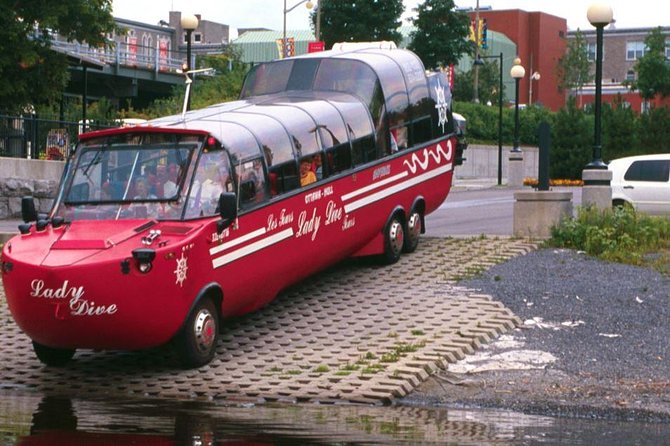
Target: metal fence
[(157, 59), (34, 138)]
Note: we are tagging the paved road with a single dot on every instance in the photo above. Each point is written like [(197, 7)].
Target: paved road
[(472, 208), (481, 210)]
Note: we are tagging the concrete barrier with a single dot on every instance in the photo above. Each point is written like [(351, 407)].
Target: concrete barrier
[(19, 177), (482, 162)]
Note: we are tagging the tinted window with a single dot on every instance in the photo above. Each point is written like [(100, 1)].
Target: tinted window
[(272, 136), (267, 78), (302, 75), (300, 126), (649, 170), (348, 76)]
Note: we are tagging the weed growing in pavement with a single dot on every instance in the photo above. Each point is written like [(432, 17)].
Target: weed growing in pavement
[(618, 235), (322, 369)]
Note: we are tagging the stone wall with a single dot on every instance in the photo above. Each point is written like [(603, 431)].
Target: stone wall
[(481, 161), (21, 177)]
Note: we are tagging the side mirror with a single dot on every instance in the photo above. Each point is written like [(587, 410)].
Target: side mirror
[(227, 210), (28, 212)]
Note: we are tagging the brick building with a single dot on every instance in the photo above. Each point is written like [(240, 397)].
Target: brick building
[(621, 50), (541, 41)]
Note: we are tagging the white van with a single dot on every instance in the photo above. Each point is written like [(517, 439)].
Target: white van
[(643, 182)]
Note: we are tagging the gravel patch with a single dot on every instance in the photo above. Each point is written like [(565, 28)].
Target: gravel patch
[(607, 325)]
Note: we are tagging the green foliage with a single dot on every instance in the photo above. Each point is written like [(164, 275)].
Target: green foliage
[(573, 69), (619, 234), (653, 69), (30, 72), (620, 135), (441, 35), (488, 83), (572, 142), (655, 130), (359, 20)]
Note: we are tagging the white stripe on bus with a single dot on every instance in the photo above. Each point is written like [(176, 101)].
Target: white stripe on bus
[(393, 189), (372, 186), (237, 241), (252, 248)]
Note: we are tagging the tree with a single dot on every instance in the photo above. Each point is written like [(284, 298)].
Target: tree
[(359, 20), (441, 37), (489, 83), (653, 69), (30, 72), (573, 69)]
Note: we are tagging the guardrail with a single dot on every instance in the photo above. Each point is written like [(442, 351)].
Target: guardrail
[(129, 55)]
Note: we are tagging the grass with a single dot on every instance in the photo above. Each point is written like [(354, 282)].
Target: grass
[(618, 235)]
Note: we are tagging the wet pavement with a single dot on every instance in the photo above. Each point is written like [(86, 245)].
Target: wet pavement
[(33, 420)]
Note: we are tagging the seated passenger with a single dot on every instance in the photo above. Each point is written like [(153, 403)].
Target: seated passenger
[(317, 166), (306, 174)]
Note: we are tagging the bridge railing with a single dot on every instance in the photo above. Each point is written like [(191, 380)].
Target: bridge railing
[(36, 138), (129, 55)]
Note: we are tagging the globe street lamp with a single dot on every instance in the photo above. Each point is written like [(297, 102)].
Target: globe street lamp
[(599, 15), (189, 23), (478, 61), (517, 72), (309, 5)]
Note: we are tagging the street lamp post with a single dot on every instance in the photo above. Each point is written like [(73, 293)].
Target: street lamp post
[(533, 77), (309, 5), (517, 72), (599, 15), (500, 109), (189, 23)]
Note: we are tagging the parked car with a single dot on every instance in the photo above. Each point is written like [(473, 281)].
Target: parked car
[(642, 182)]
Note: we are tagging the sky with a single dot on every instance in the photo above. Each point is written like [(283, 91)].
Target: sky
[(268, 13)]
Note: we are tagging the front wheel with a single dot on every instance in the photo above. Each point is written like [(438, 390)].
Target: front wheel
[(412, 232), (394, 236), (56, 357), (196, 343)]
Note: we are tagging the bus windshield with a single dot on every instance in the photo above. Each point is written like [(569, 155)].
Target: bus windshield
[(128, 176)]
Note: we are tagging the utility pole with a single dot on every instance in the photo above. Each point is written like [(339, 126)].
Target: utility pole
[(475, 87)]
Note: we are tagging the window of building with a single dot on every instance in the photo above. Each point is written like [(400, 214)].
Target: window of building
[(197, 37), (635, 50), (630, 75), (591, 51)]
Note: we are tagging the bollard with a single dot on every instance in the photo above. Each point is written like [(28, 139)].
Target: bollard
[(543, 163)]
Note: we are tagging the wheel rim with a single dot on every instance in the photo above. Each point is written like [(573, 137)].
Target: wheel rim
[(396, 237), (204, 329), (414, 226)]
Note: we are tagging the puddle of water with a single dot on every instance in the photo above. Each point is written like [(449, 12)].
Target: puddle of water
[(34, 420)]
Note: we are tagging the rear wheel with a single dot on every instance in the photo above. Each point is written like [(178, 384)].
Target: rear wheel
[(51, 356), (394, 236), (412, 232), (196, 343)]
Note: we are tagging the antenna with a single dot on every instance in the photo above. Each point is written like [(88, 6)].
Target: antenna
[(189, 82)]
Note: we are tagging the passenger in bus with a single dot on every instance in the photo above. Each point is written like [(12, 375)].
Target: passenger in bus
[(209, 190), (306, 174), (317, 166), (143, 209)]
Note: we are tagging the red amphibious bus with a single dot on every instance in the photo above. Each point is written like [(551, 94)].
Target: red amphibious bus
[(161, 230)]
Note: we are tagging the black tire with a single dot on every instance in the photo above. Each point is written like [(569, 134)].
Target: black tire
[(413, 228), (55, 357), (196, 343), (394, 236)]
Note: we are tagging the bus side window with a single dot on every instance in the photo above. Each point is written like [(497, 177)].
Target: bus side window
[(338, 158), (253, 187), (422, 130), (364, 149), (284, 178)]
